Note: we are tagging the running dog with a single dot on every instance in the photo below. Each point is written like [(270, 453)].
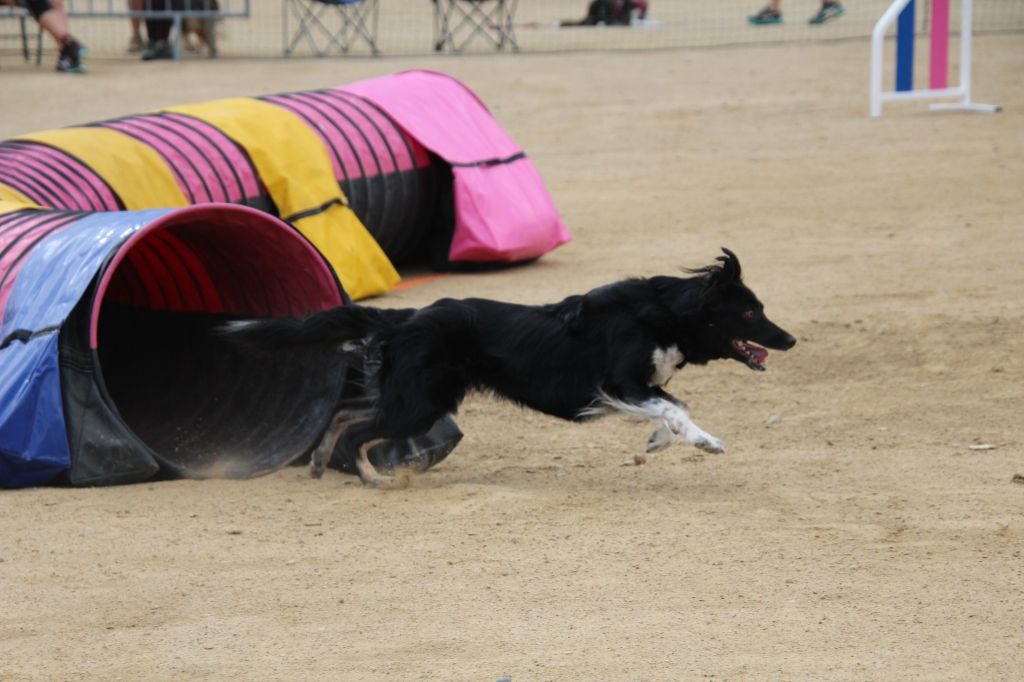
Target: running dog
[(610, 350)]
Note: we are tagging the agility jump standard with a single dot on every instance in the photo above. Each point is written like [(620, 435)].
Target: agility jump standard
[(903, 11)]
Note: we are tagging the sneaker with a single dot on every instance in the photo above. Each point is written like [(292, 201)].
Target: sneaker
[(157, 49), (766, 16), (828, 11), (72, 57), (135, 45)]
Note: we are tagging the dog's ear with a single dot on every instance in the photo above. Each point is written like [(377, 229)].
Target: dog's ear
[(730, 266)]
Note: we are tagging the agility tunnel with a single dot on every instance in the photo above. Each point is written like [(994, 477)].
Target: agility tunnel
[(409, 168), (123, 242), (109, 372)]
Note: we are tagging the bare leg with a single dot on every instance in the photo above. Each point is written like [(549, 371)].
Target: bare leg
[(55, 22)]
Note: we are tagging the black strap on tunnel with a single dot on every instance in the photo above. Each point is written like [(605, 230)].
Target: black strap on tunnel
[(26, 335), (488, 162), (312, 211)]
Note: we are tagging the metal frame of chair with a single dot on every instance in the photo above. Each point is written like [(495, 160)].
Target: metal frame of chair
[(358, 20), (491, 19), (10, 12)]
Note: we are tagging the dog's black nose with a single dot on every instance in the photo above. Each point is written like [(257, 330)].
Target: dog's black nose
[(788, 342)]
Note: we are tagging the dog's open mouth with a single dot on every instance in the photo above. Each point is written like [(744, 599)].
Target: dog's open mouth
[(753, 355)]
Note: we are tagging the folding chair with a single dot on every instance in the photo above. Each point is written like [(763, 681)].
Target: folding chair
[(331, 26), (457, 22)]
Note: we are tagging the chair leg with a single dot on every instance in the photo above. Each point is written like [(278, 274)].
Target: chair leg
[(315, 25), (24, 38), (458, 23)]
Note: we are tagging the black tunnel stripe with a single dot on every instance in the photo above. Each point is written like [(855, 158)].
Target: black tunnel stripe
[(119, 204), (40, 180), (229, 265), (29, 185), (341, 107), (406, 204), (367, 201), (140, 137), (309, 122), (200, 127), (156, 297), (388, 203), (14, 226), (174, 126), (172, 246), (25, 252), (313, 211), (158, 273), (65, 170), (489, 162), (48, 191), (26, 335), (167, 124), (349, 181), (137, 289), (25, 220), (162, 255)]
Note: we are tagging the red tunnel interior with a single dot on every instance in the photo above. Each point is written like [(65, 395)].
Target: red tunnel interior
[(203, 406)]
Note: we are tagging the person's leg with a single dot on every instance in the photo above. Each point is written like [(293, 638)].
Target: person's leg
[(158, 31), (135, 43), (830, 9), (52, 19), (771, 14)]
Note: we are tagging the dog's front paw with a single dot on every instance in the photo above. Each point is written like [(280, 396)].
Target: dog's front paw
[(710, 444), (660, 439)]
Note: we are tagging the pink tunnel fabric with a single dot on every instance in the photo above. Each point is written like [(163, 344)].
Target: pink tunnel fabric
[(30, 168), (207, 165), (503, 211)]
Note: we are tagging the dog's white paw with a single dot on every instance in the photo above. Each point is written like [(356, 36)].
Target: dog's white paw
[(710, 444), (660, 439)]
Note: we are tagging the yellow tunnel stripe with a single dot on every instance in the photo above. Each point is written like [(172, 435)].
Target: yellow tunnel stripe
[(12, 206), (11, 195), (292, 162)]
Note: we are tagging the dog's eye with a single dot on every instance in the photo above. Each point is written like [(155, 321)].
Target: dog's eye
[(749, 315)]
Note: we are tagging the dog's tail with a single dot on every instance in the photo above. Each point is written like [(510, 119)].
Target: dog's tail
[(334, 326)]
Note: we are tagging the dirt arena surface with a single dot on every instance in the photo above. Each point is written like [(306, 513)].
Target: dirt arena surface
[(850, 532)]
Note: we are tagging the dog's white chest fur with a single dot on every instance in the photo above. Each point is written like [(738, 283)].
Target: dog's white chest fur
[(665, 362)]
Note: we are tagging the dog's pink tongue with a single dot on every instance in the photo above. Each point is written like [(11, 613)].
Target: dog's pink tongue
[(760, 354)]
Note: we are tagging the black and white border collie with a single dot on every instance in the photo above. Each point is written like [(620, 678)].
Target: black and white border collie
[(610, 350)]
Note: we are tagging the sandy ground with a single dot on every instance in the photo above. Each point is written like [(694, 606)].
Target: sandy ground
[(850, 532)]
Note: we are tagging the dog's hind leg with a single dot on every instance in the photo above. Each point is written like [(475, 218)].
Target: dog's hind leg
[(368, 474), (322, 454), (356, 443)]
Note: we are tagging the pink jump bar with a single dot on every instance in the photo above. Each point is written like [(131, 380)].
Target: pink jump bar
[(939, 45)]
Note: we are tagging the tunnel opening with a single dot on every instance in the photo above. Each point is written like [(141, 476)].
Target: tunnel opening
[(198, 405)]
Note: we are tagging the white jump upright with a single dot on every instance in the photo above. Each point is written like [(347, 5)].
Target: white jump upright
[(904, 11)]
